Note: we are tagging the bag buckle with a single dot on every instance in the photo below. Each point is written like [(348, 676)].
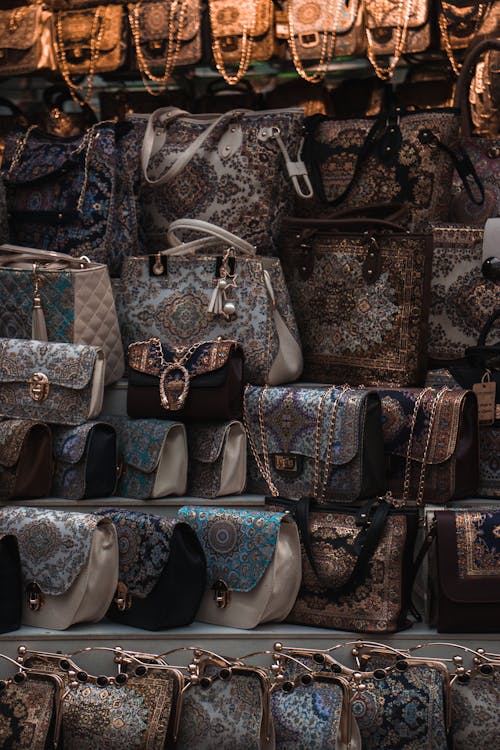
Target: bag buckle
[(229, 43), (36, 598), (39, 386), (174, 386), (123, 598), (309, 39), (222, 595)]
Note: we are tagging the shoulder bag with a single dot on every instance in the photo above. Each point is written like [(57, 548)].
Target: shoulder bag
[(26, 463), (25, 40), (10, 586), (217, 459), (238, 594), (459, 24), (69, 564)]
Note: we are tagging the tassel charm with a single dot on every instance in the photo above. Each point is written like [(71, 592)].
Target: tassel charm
[(38, 325), (220, 303)]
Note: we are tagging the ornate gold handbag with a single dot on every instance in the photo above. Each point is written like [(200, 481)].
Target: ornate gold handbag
[(165, 35), (242, 33), (459, 24), (25, 41), (395, 27)]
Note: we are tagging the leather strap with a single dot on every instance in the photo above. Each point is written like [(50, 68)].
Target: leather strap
[(212, 234), (465, 79)]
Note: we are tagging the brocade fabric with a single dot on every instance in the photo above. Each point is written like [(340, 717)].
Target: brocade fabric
[(26, 712), (307, 718), (474, 711)]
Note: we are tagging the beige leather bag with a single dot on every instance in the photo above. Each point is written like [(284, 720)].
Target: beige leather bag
[(50, 296), (253, 564), (69, 564), (217, 458)]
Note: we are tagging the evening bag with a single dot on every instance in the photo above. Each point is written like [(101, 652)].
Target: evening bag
[(10, 585), (58, 383), (52, 297), (86, 461), (69, 564), (25, 459), (25, 40), (233, 170), (360, 299), (217, 459), (317, 442), (201, 381), (474, 700), (181, 297), (162, 573), (357, 565), (431, 444), (153, 456), (239, 594)]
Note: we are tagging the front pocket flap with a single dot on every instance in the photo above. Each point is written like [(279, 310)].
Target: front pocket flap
[(144, 548), (19, 28), (397, 410), (291, 417), (80, 28), (67, 365), (206, 440), (141, 441), (230, 18), (54, 545), (239, 544), (309, 17), (13, 433), (70, 442), (384, 14), (154, 21), (150, 358), (469, 555)]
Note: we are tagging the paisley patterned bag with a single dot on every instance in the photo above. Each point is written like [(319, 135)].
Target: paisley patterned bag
[(238, 594), (58, 383), (86, 461), (465, 571), (25, 459), (315, 442), (162, 573), (475, 697), (69, 564), (153, 454), (217, 459)]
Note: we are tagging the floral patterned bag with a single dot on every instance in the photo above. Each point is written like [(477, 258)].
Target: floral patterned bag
[(475, 697), (217, 459)]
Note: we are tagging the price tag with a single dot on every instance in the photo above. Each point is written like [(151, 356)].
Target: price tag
[(486, 401)]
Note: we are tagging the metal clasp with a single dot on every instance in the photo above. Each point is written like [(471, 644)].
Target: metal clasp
[(36, 598), (222, 595), (39, 386), (123, 598)]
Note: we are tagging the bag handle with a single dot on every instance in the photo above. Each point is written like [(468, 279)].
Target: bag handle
[(465, 79), (212, 232), (30, 254)]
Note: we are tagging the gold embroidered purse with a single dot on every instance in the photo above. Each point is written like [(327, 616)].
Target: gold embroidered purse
[(25, 44)]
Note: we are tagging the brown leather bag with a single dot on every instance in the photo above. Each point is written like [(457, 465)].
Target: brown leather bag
[(26, 463)]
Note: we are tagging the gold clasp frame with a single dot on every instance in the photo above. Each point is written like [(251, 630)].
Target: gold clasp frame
[(39, 386), (222, 595), (35, 596)]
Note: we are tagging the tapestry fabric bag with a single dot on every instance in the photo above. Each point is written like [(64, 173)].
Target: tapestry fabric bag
[(25, 41), (474, 698), (217, 459), (26, 462)]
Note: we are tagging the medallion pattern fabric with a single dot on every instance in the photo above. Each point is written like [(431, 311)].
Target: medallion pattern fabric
[(307, 718), (238, 544), (54, 545), (78, 45), (154, 29), (311, 21), (114, 717), (474, 711), (478, 544), (383, 20), (69, 369), (26, 712), (403, 711)]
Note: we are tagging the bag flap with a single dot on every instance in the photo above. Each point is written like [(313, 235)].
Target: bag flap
[(229, 18), (206, 440), (146, 357), (144, 547), (19, 28), (140, 441), (54, 545), (238, 544), (13, 433), (468, 544), (384, 14), (79, 27), (309, 16), (66, 365), (70, 442), (397, 410), (154, 21), (291, 415)]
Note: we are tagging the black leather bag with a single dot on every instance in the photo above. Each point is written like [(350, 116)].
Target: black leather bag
[(86, 461), (10, 584)]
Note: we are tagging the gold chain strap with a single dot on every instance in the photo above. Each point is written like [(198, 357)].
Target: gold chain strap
[(174, 41), (327, 44), (445, 36), (264, 467), (318, 493), (405, 10), (247, 43)]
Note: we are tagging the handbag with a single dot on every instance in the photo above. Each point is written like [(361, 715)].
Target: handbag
[(165, 36), (217, 459), (25, 41), (239, 594), (10, 586), (86, 461), (459, 25), (51, 297), (153, 455), (25, 459), (431, 444), (58, 383), (4, 219), (75, 195), (69, 564), (474, 698), (361, 299), (464, 572), (162, 571), (241, 34), (179, 297), (202, 381), (395, 28), (318, 442), (357, 565), (233, 170), (400, 156), (483, 151)]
